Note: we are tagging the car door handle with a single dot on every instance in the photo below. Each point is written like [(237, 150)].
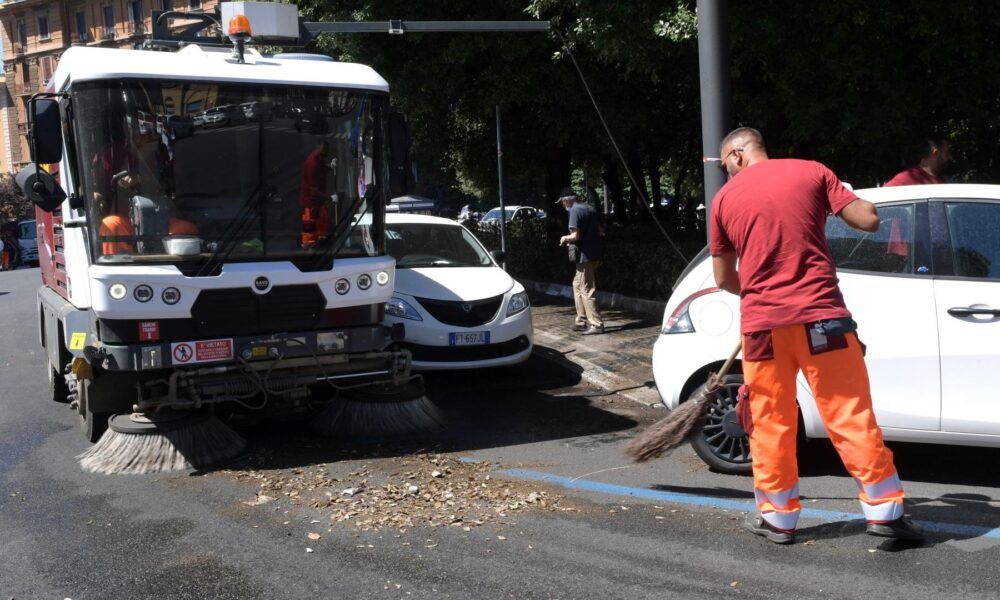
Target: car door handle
[(968, 311)]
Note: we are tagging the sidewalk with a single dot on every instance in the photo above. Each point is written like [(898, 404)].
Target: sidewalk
[(620, 360)]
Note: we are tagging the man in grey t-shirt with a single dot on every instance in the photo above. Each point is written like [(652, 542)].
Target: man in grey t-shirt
[(585, 234)]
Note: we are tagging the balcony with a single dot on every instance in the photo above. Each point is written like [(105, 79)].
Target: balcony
[(107, 34), (18, 49), (137, 28), (80, 38)]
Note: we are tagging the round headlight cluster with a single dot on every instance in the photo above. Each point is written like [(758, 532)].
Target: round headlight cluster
[(342, 286), (364, 281), (382, 277), (144, 293)]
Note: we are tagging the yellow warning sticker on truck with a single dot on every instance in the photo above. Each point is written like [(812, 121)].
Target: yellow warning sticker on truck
[(77, 340)]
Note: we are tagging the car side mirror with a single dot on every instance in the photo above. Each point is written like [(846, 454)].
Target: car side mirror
[(400, 163), (499, 256), (45, 131)]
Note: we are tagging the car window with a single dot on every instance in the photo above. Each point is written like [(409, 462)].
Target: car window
[(888, 250), (975, 238)]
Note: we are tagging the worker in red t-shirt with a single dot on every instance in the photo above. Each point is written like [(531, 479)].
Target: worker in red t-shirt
[(771, 216), (935, 154)]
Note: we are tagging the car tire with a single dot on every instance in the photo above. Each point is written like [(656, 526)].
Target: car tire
[(722, 443)]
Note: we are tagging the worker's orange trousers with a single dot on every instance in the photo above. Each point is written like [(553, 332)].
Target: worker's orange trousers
[(836, 373)]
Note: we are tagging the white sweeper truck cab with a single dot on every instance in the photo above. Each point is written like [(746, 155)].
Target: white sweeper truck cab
[(196, 272)]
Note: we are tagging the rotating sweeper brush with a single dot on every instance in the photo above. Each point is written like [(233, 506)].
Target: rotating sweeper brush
[(140, 443)]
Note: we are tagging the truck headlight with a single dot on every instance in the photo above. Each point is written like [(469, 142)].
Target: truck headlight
[(398, 307), (518, 302), (117, 291), (382, 277)]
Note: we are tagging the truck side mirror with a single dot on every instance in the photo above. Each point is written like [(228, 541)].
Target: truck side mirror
[(40, 187), (45, 131), (400, 165), (45, 141)]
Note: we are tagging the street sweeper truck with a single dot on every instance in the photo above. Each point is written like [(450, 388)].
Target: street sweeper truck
[(210, 232)]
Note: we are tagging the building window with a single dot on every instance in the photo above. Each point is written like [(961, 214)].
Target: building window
[(46, 68), (168, 5), (81, 25), (109, 20), (194, 4), (135, 11), (43, 27), (22, 34)]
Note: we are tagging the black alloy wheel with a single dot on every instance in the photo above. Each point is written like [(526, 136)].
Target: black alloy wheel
[(722, 443)]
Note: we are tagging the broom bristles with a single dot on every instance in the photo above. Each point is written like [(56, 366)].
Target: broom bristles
[(203, 443), (358, 418), (675, 429)]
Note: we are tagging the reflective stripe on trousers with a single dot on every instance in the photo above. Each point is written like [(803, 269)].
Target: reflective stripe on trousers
[(839, 382)]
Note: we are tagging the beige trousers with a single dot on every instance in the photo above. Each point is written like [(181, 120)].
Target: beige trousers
[(585, 294)]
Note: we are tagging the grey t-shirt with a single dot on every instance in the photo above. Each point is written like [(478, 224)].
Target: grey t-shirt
[(583, 218)]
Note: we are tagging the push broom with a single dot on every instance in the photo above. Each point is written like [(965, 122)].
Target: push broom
[(682, 423)]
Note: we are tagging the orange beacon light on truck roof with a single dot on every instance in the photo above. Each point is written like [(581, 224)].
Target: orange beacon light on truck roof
[(239, 27)]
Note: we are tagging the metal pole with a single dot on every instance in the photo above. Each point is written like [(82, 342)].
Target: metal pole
[(716, 100), (503, 210)]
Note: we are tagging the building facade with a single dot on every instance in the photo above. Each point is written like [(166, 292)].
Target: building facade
[(35, 33)]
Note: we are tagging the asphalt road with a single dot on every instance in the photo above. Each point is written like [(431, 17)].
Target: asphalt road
[(612, 530)]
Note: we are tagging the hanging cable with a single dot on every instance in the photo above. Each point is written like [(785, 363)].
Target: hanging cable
[(635, 184)]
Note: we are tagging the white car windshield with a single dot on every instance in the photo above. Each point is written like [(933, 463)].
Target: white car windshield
[(430, 245), (494, 215)]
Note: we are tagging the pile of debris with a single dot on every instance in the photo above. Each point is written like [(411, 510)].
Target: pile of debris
[(426, 489)]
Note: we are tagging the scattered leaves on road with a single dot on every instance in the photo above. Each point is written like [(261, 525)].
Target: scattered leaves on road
[(426, 489)]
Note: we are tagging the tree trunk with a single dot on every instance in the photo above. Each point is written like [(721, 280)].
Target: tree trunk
[(636, 192), (656, 189), (613, 184), (558, 174)]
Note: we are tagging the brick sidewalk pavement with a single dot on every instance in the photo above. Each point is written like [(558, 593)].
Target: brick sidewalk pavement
[(620, 360)]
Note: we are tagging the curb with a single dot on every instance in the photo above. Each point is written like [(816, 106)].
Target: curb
[(604, 299), (599, 376)]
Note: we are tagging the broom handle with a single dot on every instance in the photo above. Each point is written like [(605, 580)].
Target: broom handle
[(729, 363)]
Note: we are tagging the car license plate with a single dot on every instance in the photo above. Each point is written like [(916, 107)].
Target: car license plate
[(469, 338)]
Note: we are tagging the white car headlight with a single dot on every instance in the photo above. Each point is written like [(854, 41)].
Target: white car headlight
[(518, 302), (400, 308)]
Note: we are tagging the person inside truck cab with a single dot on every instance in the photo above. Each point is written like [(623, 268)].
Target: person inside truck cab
[(313, 196)]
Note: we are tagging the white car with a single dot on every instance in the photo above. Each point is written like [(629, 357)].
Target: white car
[(460, 310), (925, 291), (514, 213)]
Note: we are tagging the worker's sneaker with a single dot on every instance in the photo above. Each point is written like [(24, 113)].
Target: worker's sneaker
[(901, 529), (758, 525), (594, 330), (580, 327)]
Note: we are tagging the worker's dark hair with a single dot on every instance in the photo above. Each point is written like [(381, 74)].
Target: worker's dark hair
[(748, 133), (921, 146)]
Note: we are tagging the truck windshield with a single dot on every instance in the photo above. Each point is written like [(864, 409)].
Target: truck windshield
[(197, 174)]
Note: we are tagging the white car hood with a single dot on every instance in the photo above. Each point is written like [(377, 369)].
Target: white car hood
[(453, 283)]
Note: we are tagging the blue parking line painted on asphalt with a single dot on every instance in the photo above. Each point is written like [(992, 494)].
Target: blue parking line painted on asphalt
[(742, 505)]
